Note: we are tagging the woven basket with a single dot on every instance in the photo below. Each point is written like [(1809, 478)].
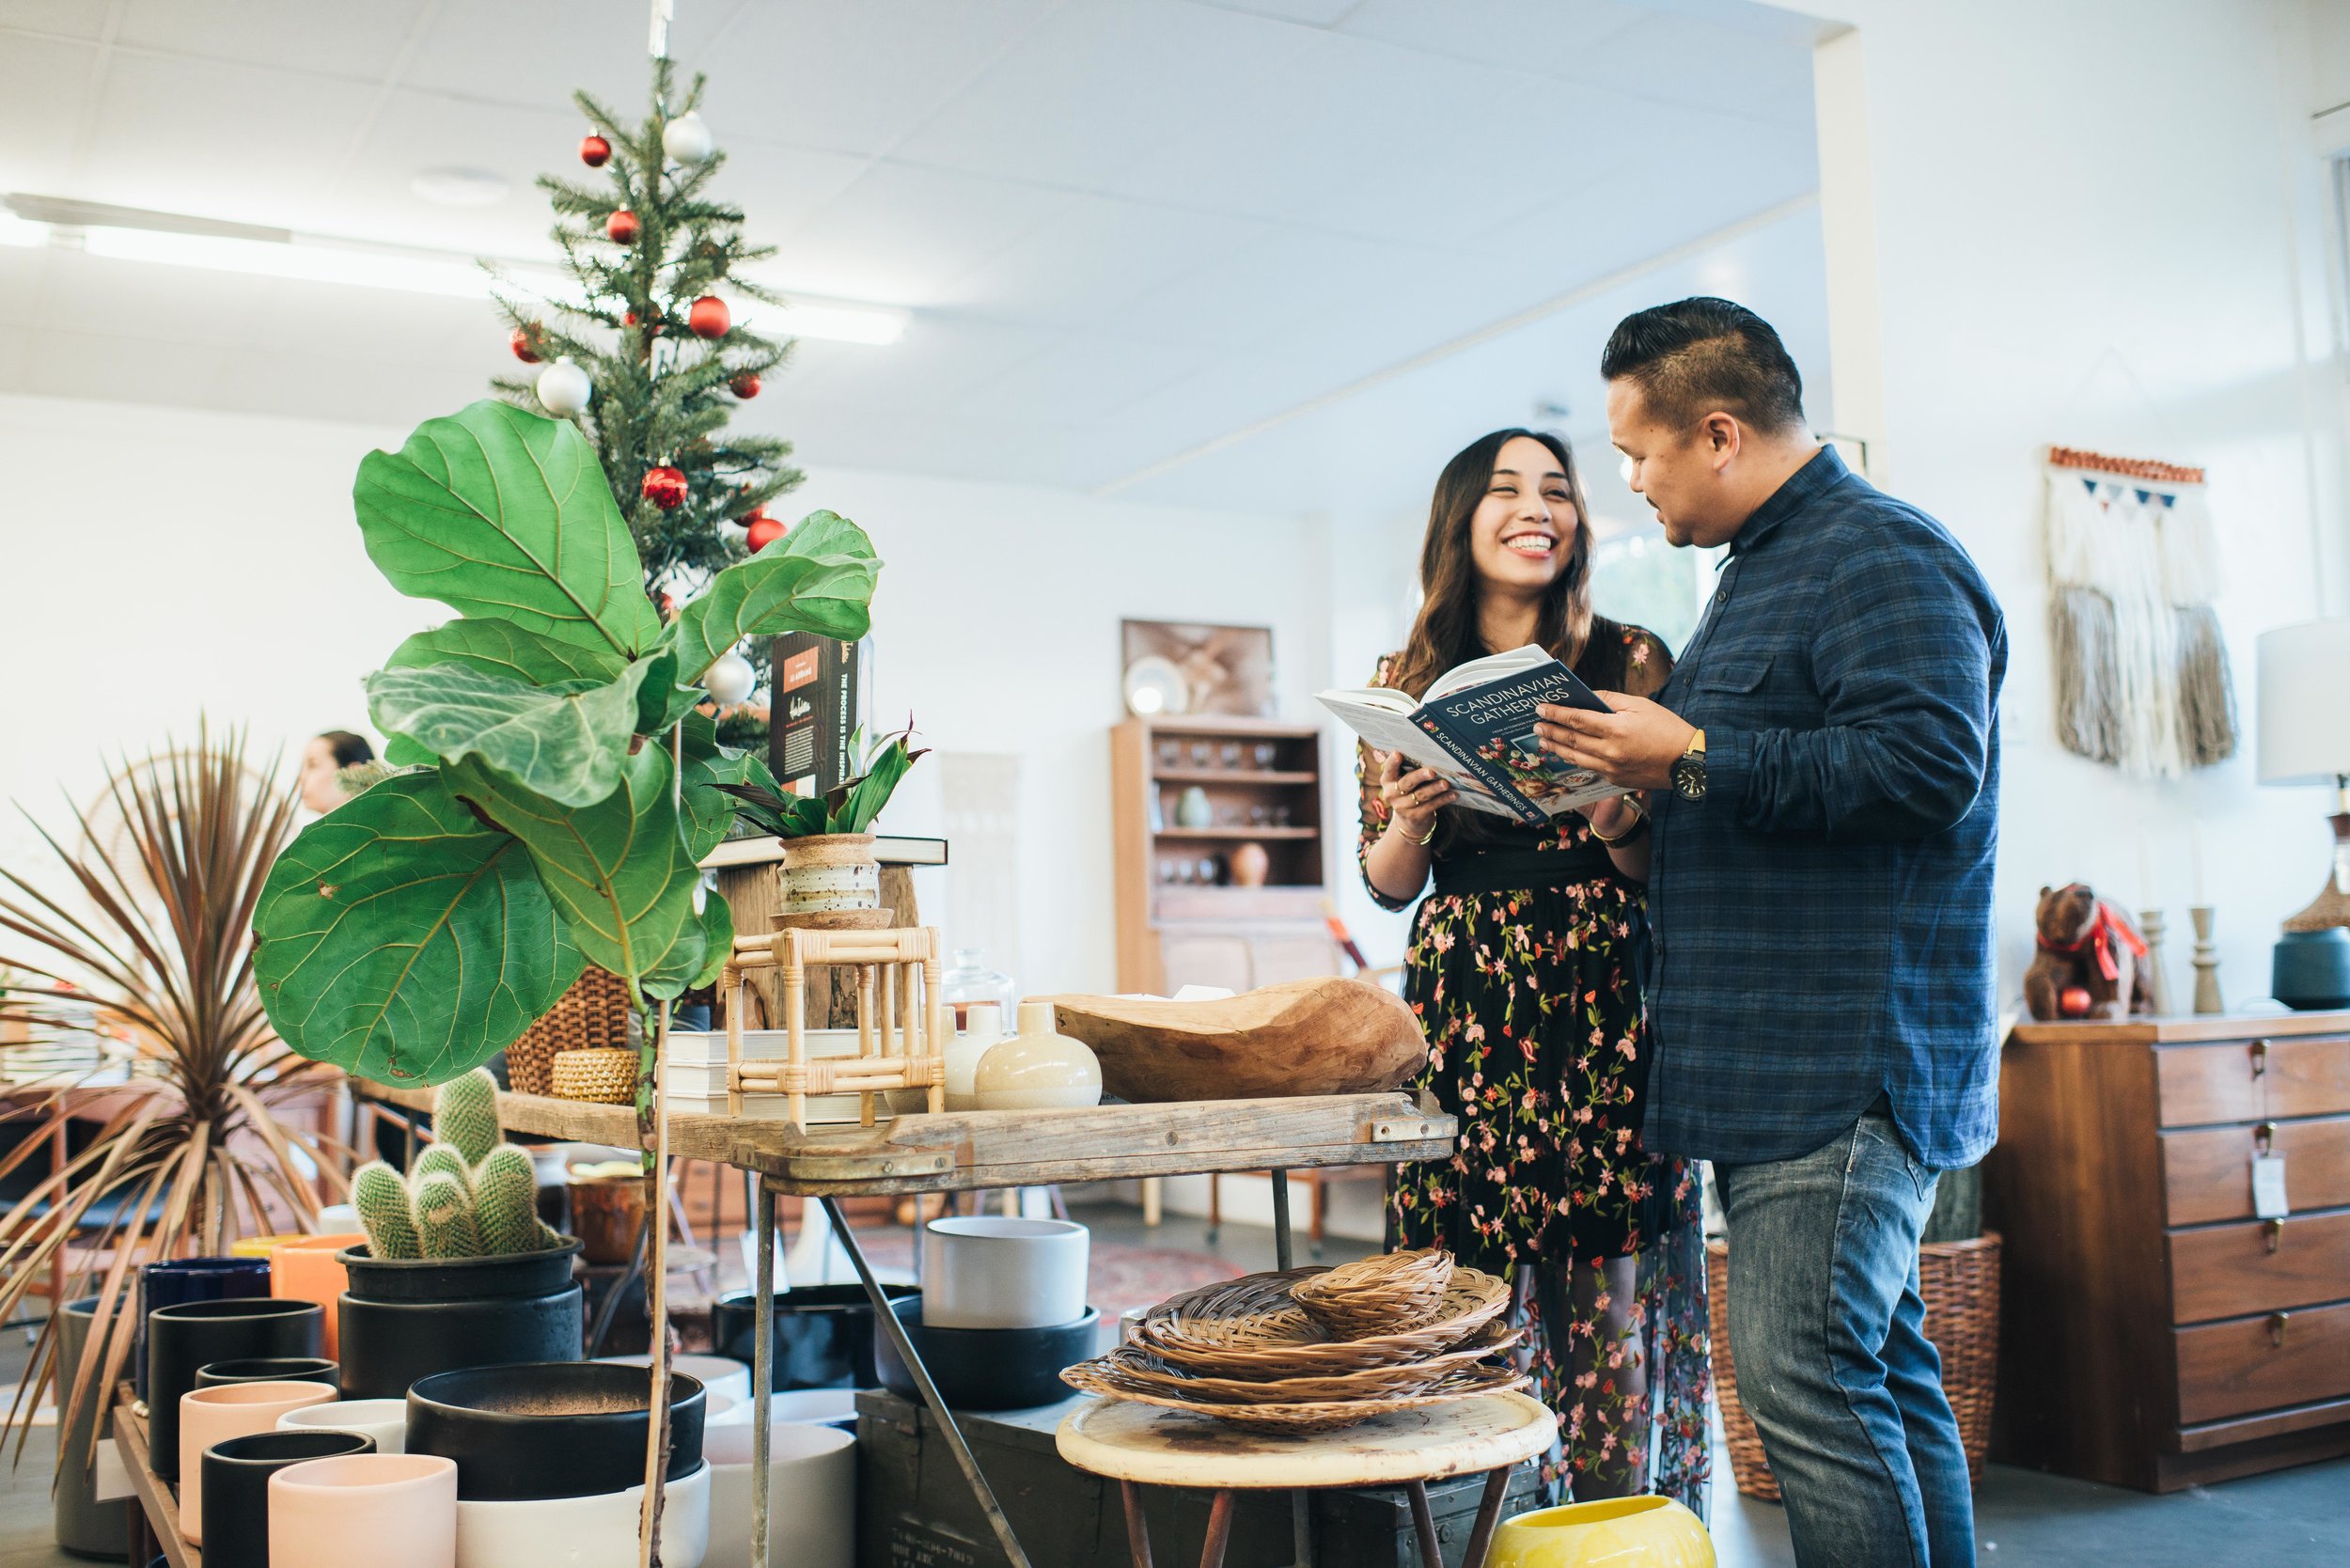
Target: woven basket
[(1105, 1378), (1249, 1328), (1380, 1294), (1145, 1370), (1960, 1284), (606, 1076), (591, 1015)]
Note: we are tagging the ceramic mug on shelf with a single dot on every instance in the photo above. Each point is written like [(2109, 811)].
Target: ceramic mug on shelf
[(989, 1271)]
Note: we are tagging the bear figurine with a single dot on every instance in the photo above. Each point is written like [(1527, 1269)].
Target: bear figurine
[(2088, 948)]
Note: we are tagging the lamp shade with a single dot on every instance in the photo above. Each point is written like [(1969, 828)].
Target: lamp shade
[(2305, 702)]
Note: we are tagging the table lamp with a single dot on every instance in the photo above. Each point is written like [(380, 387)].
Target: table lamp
[(2305, 739)]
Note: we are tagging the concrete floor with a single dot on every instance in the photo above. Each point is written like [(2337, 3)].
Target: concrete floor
[(2023, 1519)]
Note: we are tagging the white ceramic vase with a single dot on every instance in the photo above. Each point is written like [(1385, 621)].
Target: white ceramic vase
[(989, 1270), (365, 1511), (811, 1497), (597, 1532), (1038, 1069)]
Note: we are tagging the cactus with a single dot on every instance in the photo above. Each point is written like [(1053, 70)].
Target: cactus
[(439, 1159), (445, 1218), (506, 1200), (466, 1115), (382, 1198)]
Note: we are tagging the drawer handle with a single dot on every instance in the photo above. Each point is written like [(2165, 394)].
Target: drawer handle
[(2265, 1136), (2260, 1059), (2276, 1322), (2275, 1234)]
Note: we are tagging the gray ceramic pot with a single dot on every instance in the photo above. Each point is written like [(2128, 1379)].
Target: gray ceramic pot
[(86, 1527)]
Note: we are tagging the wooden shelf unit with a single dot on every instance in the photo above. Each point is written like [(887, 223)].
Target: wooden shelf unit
[(1173, 934)]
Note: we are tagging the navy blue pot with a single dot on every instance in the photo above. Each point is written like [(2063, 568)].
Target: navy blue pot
[(184, 1279)]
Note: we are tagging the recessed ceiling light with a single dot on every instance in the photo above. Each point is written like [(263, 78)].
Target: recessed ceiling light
[(456, 187)]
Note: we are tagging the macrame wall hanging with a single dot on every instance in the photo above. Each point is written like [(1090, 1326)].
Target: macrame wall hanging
[(2133, 567)]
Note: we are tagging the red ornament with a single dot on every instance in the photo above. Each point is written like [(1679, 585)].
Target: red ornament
[(764, 532), (664, 487), (525, 342), (744, 385), (709, 317), (594, 151), (2073, 1001), (621, 227)]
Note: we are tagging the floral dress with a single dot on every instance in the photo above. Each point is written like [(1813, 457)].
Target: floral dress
[(1524, 968)]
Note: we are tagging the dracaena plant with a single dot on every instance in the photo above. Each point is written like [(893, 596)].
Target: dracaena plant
[(558, 789), (848, 806)]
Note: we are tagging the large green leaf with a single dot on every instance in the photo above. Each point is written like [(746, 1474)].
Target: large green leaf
[(505, 649), (617, 870), (402, 939), (562, 742), (661, 702), (708, 811), (501, 513), (817, 578)]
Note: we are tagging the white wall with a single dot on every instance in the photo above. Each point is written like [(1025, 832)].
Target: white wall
[(161, 563), (2101, 224)]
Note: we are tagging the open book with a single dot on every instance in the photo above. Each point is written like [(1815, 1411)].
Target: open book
[(1476, 729)]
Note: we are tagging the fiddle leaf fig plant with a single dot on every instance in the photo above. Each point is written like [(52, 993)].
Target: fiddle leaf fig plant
[(559, 787)]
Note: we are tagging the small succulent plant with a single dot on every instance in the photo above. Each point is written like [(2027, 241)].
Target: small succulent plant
[(471, 1193)]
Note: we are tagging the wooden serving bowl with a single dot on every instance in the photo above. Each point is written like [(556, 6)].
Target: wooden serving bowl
[(1329, 1036)]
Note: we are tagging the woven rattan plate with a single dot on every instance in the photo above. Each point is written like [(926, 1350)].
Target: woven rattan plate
[(1249, 1328), (1106, 1378), (1382, 1295), (1145, 1370)]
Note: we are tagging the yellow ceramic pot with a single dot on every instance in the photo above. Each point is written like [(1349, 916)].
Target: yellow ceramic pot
[(1620, 1533)]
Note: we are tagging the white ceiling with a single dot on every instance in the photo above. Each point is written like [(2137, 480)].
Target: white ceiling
[(1126, 229)]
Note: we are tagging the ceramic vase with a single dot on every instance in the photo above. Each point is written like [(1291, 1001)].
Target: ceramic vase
[(211, 1415), (85, 1525), (559, 1429), (980, 1035), (1039, 1069), (383, 1419), (233, 1483), (182, 1340), (811, 1497), (1193, 809), (408, 1318), (593, 1532), (991, 1271), (1620, 1533), (1250, 865), (307, 1269), (364, 1511)]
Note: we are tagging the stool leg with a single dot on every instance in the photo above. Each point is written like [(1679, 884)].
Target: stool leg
[(1219, 1530), (1424, 1521), (1488, 1515), (1137, 1528)]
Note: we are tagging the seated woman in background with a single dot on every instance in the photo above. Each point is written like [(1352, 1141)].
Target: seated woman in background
[(322, 763), (1525, 970)]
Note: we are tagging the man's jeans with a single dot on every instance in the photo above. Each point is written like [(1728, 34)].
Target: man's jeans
[(1825, 1325)]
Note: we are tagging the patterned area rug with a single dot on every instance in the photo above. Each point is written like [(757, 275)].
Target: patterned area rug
[(1120, 1277)]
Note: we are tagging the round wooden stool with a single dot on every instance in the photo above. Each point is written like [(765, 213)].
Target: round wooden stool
[(1139, 1444)]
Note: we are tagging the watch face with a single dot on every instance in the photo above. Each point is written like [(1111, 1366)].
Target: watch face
[(1689, 778)]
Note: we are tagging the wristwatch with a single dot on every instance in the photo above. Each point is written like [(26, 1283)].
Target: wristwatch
[(1688, 769)]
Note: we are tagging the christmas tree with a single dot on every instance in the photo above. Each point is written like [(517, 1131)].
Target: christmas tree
[(656, 362)]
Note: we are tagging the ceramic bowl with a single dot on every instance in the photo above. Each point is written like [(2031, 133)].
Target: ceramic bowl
[(549, 1429), (1620, 1533), (811, 1497), (365, 1511), (993, 1271), (229, 1497), (597, 1532), (383, 1419), (209, 1416), (987, 1369), (719, 1375), (270, 1369)]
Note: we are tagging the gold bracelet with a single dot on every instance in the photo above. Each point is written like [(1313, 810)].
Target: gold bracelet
[(1639, 825), (1428, 838)]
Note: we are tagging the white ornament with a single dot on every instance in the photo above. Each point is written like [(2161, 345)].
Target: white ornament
[(729, 681), (564, 389), (687, 140)]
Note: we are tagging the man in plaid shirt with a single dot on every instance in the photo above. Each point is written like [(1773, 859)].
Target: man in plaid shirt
[(1823, 769)]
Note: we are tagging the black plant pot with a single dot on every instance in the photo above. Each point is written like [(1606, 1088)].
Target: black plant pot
[(270, 1369), (823, 1333), (180, 1340), (236, 1488), (406, 1318), (559, 1429), (986, 1368)]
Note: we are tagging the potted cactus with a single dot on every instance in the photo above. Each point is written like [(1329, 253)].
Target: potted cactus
[(457, 1269)]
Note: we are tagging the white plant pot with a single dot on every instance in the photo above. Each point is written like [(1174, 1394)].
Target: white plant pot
[(722, 1375), (995, 1272), (811, 1497), (597, 1531), (383, 1419)]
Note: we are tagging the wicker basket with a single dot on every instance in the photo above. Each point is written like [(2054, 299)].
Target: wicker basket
[(1379, 1294), (606, 1076), (591, 1015), (1107, 1377), (1960, 1284), (1250, 1327)]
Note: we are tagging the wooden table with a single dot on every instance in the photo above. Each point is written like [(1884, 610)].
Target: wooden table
[(1139, 1444), (154, 1511), (971, 1151)]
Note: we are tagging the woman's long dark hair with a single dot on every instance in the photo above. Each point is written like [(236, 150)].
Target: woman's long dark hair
[(1445, 631)]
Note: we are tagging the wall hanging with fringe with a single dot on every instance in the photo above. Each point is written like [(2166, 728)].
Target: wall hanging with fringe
[(2141, 671)]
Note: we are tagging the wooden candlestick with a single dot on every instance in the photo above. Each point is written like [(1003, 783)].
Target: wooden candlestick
[(2157, 973), (2207, 961)]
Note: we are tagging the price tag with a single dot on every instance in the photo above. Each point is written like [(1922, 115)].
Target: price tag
[(2268, 1187), (109, 1481)]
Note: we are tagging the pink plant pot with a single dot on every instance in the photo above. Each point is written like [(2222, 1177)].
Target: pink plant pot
[(225, 1410), (365, 1511)]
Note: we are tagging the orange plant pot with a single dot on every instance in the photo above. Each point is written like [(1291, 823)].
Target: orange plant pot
[(307, 1269)]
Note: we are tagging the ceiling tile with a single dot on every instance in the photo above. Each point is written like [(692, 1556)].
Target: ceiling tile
[(1543, 38), (537, 53), (902, 235), (1267, 285), (80, 19), (1094, 258), (1685, 59), (362, 40), (415, 131), (1313, 13), (22, 274), (1083, 379), (44, 87)]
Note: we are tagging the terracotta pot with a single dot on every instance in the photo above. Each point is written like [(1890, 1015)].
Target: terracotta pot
[(209, 1416), (365, 1511), (181, 1339), (307, 1269), (1250, 865), (383, 1419), (234, 1486), (608, 1213)]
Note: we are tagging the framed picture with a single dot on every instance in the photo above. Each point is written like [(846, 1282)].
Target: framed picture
[(1222, 670)]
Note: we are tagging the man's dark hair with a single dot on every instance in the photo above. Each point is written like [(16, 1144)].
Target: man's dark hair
[(1695, 356), (349, 750)]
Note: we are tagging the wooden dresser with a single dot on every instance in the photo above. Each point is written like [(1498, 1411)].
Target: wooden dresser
[(2154, 1331)]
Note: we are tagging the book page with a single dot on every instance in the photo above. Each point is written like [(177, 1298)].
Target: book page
[(1388, 730)]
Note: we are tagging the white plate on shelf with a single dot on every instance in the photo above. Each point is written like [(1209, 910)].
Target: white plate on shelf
[(1154, 687)]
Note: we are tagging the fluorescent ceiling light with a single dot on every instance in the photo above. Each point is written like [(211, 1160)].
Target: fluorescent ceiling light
[(841, 323), (16, 231), (308, 261), (460, 187)]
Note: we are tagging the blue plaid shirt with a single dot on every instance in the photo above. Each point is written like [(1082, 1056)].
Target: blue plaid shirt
[(1823, 915)]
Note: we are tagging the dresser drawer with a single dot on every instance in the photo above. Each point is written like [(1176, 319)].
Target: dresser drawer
[(2229, 1271), (2247, 1364), (2307, 1077), (2207, 1171)]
